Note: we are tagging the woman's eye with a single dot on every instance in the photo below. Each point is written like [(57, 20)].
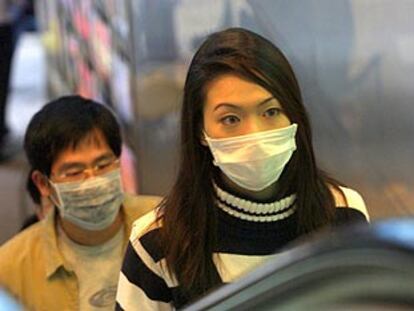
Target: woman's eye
[(229, 120), (272, 112)]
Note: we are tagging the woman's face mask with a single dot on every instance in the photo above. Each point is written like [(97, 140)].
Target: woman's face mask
[(91, 204), (254, 161)]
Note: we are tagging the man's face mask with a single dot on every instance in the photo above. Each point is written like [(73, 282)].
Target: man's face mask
[(254, 161), (91, 204)]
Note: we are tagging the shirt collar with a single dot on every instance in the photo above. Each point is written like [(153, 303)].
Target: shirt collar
[(54, 259)]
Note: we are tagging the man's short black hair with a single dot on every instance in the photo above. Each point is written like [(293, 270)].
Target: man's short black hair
[(61, 124)]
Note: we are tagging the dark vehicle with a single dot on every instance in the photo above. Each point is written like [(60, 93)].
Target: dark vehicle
[(342, 272)]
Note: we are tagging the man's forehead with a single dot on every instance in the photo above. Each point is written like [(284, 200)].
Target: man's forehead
[(94, 138), (90, 148)]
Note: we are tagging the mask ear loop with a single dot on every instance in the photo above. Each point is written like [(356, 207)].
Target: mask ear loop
[(206, 140), (58, 203), (203, 138)]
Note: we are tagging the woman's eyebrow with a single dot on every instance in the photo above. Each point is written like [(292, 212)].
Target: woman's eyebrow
[(266, 100), (233, 106), (226, 105)]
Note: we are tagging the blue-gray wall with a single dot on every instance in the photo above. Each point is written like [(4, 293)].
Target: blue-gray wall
[(355, 63)]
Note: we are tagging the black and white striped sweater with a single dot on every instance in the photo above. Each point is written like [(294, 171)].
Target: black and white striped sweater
[(246, 238)]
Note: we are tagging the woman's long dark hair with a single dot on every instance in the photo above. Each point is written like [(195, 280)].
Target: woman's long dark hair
[(188, 215)]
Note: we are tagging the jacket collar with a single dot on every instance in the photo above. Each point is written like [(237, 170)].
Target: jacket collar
[(54, 259)]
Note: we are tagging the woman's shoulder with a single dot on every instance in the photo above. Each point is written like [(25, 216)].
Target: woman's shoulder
[(145, 224), (146, 237), (350, 198)]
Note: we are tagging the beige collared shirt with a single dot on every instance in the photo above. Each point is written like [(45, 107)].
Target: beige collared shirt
[(34, 270)]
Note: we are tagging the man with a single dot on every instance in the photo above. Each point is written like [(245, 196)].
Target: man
[(71, 259)]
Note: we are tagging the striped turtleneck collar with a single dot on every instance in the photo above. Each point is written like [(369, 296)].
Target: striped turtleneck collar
[(253, 211)]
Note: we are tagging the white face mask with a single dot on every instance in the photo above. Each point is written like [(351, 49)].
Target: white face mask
[(92, 204), (254, 161)]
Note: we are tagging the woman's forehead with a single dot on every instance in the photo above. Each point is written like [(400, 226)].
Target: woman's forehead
[(235, 90)]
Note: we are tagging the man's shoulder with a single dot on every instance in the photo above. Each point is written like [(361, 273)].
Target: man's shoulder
[(139, 205), (23, 267), (133, 199), (20, 249), (28, 236)]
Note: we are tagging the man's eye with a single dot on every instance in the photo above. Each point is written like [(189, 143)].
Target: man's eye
[(102, 166), (229, 120), (73, 173), (272, 112)]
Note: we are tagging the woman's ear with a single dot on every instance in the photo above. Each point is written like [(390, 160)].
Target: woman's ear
[(202, 135), (203, 140), (41, 183)]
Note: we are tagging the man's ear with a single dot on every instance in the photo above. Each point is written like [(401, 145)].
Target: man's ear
[(45, 206), (41, 183)]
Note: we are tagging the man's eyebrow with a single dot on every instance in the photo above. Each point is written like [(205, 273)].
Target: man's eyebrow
[(229, 105), (106, 156), (70, 165)]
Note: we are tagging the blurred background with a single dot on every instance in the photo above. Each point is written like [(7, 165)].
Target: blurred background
[(354, 60)]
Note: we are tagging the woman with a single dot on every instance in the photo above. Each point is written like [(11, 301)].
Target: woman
[(248, 182)]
